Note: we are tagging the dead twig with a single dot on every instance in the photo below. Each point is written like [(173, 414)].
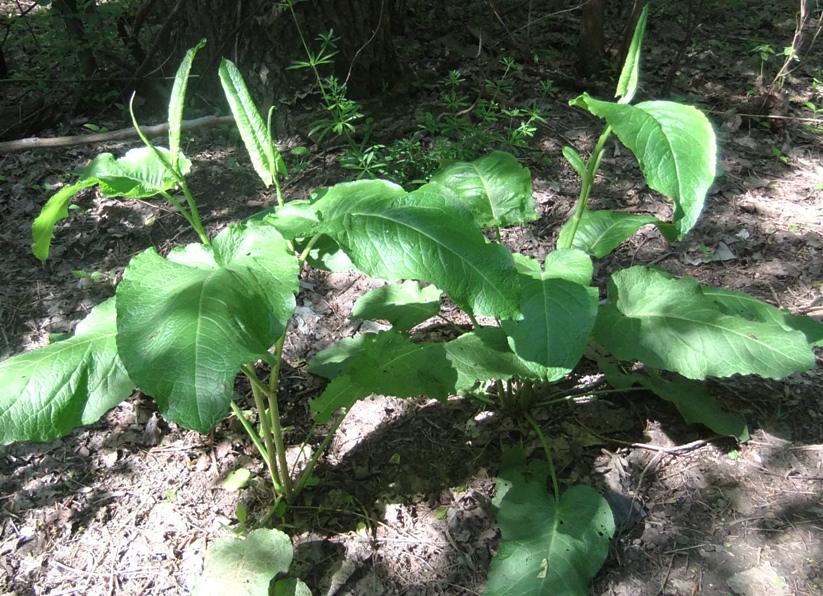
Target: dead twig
[(105, 137)]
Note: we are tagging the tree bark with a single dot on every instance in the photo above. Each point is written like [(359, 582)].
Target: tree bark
[(261, 38), (592, 45)]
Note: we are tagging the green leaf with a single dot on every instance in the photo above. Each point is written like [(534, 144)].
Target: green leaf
[(627, 85), (388, 363), (295, 219), (558, 315), (342, 392), (482, 355), (403, 305), (574, 159), (671, 324), (178, 101), (696, 404), (244, 567), (496, 189), (600, 232), (236, 480), (138, 174), (187, 323), (47, 392), (265, 157), (334, 360), (549, 545), (675, 145), (423, 236), (56, 209), (290, 587), (752, 309), (391, 364)]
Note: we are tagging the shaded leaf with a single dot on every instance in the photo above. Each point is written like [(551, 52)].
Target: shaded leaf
[(752, 309), (696, 404), (558, 315), (483, 355), (244, 567), (549, 545), (402, 305)]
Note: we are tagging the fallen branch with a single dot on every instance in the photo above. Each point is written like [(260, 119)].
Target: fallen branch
[(104, 137)]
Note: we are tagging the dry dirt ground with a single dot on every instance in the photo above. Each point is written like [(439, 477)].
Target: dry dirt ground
[(128, 505)]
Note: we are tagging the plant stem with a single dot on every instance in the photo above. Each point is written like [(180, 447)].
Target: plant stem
[(257, 391), (586, 394), (305, 254), (255, 438), (274, 413), (176, 204), (301, 483), (586, 187), (545, 445), (196, 223)]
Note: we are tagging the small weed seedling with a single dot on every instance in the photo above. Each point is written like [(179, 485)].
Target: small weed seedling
[(181, 327)]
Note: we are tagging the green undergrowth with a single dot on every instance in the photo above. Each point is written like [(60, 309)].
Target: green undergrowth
[(183, 326)]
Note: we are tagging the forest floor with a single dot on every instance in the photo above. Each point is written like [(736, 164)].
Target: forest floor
[(128, 505)]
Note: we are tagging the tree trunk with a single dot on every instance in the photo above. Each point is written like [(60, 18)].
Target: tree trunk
[(262, 39), (70, 12), (592, 45)]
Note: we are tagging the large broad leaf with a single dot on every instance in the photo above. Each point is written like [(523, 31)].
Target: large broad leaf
[(630, 73), (748, 307), (483, 355), (335, 360), (496, 189), (295, 219), (177, 101), (342, 392), (600, 232), (424, 236), (549, 545), (693, 401), (696, 404), (47, 392), (675, 145), (559, 310), (187, 323), (244, 566), (671, 324), (265, 157), (403, 305), (139, 173), (389, 363)]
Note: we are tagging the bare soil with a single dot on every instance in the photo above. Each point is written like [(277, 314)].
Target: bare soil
[(128, 505)]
